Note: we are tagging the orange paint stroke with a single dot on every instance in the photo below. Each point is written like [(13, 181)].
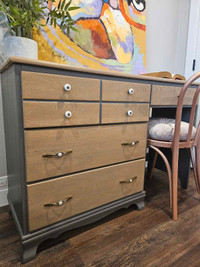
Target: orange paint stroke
[(130, 21)]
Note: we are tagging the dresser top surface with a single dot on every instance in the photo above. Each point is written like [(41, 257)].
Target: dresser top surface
[(48, 64)]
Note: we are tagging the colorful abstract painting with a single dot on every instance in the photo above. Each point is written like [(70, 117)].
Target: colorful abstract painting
[(111, 36)]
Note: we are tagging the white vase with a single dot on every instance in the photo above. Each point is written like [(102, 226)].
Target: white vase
[(20, 47)]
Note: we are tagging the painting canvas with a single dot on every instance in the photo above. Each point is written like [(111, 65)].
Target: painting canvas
[(111, 36)]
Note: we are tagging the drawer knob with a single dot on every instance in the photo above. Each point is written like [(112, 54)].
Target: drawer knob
[(67, 87), (68, 114), (131, 91), (131, 143), (129, 181), (59, 203), (58, 155), (130, 113)]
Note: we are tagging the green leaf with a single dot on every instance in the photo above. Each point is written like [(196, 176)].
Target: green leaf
[(59, 4), (54, 23), (63, 4), (74, 29), (73, 8), (67, 5), (68, 30)]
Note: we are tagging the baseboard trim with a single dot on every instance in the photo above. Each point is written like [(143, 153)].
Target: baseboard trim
[(3, 194)]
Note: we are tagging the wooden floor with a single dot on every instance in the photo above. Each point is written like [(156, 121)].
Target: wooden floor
[(126, 238)]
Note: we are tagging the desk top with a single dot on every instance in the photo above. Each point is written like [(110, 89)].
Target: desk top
[(48, 64)]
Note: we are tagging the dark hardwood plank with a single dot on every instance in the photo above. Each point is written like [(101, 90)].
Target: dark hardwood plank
[(126, 238)]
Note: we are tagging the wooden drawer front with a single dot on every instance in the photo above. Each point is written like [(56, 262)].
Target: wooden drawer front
[(50, 114), (91, 147), (88, 190), (51, 86), (119, 91), (114, 113), (168, 95)]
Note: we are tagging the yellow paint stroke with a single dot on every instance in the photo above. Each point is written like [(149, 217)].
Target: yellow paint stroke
[(76, 54), (45, 51), (140, 40)]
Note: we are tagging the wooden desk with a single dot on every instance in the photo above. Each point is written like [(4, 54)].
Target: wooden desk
[(76, 143)]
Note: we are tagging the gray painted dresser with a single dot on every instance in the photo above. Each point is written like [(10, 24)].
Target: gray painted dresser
[(76, 145)]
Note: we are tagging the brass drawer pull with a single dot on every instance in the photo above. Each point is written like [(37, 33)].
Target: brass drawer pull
[(58, 155), (59, 203), (130, 144), (131, 180)]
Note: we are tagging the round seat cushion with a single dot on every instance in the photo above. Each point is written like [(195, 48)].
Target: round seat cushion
[(162, 129)]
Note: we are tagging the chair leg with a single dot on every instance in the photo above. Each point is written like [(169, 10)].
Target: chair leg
[(168, 171), (194, 165), (175, 156), (197, 155), (152, 165)]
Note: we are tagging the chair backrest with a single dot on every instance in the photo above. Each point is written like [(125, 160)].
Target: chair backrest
[(185, 87)]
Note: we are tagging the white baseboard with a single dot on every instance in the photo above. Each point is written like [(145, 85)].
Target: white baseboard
[(3, 194)]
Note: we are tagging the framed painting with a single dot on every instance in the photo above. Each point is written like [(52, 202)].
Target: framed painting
[(111, 36)]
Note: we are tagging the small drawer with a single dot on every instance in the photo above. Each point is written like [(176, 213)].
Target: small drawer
[(125, 91), (59, 87), (82, 192), (168, 95), (50, 114), (55, 152), (115, 113)]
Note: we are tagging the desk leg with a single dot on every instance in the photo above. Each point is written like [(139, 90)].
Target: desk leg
[(184, 167), (184, 164)]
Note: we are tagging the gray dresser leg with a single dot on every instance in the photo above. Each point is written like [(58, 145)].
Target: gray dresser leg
[(140, 205), (28, 252)]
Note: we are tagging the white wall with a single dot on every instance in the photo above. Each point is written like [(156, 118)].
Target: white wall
[(167, 27)]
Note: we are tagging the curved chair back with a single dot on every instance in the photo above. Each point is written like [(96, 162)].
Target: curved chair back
[(189, 143), (176, 139)]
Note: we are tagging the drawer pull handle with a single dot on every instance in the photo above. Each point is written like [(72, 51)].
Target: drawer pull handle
[(67, 87), (130, 113), (59, 203), (58, 155), (129, 181), (131, 91), (68, 114), (130, 144)]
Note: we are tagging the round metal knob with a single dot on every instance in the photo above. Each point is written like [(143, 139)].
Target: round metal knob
[(68, 114), (130, 113), (131, 91), (67, 87)]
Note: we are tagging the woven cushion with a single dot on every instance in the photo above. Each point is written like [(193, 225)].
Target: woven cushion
[(163, 129)]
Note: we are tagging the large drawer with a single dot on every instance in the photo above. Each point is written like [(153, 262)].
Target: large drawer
[(125, 91), (168, 95), (90, 147), (55, 87), (49, 114), (115, 113), (87, 191)]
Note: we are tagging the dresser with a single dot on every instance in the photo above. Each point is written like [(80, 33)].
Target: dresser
[(75, 144)]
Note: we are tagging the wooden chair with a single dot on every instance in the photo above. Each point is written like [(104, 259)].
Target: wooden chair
[(191, 143)]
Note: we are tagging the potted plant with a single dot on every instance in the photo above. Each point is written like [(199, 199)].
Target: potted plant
[(24, 15)]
